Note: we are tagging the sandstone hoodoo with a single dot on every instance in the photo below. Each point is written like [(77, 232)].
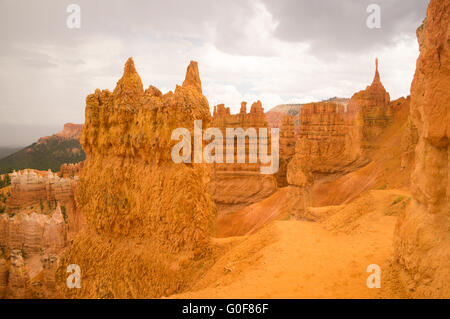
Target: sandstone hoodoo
[(373, 109), (422, 246), (149, 220)]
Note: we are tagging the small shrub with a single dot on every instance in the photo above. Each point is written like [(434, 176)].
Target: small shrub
[(397, 200), (64, 213)]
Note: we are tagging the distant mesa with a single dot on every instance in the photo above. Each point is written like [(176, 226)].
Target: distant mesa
[(49, 152)]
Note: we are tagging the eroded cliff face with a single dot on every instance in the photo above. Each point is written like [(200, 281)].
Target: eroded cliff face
[(70, 170), (234, 186), (39, 221), (422, 246), (149, 220), (26, 241), (329, 139), (287, 148), (40, 190)]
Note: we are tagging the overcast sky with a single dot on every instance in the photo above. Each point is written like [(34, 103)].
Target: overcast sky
[(277, 51)]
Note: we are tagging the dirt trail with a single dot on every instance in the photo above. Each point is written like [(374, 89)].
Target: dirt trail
[(299, 259)]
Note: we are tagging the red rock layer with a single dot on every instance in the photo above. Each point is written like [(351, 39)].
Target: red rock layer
[(70, 131), (31, 188), (70, 170), (237, 185), (287, 148), (26, 239), (422, 246), (329, 139), (149, 220)]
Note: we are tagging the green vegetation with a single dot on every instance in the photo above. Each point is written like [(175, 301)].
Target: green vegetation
[(52, 153), (5, 181), (64, 213), (398, 200)]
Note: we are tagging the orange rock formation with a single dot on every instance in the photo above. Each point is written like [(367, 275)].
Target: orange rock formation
[(237, 185), (287, 148), (329, 140), (70, 131), (373, 109), (149, 220), (26, 240), (71, 170), (422, 247), (30, 188)]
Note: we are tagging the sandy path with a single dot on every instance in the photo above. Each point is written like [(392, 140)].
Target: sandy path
[(305, 260)]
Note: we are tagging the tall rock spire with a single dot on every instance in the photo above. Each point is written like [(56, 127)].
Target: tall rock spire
[(130, 83), (192, 77), (376, 79)]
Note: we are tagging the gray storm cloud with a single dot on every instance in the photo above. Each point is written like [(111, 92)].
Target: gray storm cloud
[(277, 51)]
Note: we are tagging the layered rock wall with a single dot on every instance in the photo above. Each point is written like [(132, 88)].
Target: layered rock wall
[(27, 240), (287, 148), (70, 170), (236, 185), (329, 140), (31, 188)]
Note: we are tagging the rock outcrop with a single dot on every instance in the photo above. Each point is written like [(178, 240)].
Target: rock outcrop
[(70, 170), (422, 246), (373, 108), (34, 188), (275, 115), (234, 186), (70, 131), (329, 139), (4, 273), (287, 148), (337, 137), (409, 142), (149, 220), (18, 280), (28, 187), (26, 240)]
